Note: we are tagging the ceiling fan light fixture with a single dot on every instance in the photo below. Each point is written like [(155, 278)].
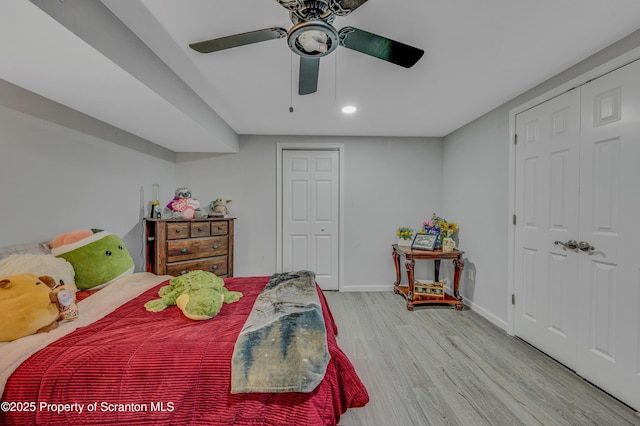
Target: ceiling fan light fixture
[(313, 39)]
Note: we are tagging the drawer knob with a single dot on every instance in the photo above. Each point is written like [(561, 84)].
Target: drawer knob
[(219, 228), (215, 247), (183, 272), (199, 228), (215, 266), (177, 231), (184, 250)]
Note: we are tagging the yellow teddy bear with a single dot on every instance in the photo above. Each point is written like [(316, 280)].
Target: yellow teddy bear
[(31, 304)]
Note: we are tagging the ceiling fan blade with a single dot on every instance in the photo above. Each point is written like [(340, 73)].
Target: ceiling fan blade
[(236, 40), (350, 5), (308, 80), (380, 47)]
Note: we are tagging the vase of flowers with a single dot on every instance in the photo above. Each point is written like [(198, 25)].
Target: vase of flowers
[(439, 226), (432, 227)]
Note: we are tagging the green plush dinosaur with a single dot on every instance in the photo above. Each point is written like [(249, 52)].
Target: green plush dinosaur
[(198, 294)]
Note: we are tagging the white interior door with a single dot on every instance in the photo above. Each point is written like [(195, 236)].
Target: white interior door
[(310, 184), (547, 170), (580, 304), (609, 275)]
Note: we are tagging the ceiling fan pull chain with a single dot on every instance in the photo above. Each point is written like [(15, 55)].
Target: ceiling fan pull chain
[(291, 82), (335, 85)]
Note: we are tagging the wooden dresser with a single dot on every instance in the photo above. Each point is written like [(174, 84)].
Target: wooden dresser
[(175, 247)]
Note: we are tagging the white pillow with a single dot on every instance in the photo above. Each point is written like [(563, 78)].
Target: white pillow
[(39, 264), (29, 248)]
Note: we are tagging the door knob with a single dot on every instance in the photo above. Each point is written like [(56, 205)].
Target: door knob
[(571, 244), (585, 246)]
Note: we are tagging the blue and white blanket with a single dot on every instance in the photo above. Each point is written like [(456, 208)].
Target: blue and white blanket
[(283, 344)]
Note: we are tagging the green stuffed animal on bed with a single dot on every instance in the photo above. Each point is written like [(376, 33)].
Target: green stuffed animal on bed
[(198, 294), (98, 257)]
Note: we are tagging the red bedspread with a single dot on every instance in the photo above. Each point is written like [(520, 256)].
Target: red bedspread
[(138, 367)]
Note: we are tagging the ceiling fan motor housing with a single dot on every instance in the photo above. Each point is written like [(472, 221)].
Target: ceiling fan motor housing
[(309, 10), (313, 34)]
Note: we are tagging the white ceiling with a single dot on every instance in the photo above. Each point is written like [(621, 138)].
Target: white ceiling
[(478, 55)]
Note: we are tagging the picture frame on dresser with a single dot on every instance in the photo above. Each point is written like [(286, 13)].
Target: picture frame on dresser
[(177, 246), (424, 242)]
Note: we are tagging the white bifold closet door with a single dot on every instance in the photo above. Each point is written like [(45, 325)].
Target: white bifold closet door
[(577, 247)]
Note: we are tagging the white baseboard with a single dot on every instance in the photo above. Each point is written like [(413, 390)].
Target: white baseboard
[(368, 287), (498, 322)]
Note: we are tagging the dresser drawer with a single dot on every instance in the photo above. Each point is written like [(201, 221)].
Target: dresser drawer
[(219, 228), (177, 230), (200, 229), (196, 248), (216, 265)]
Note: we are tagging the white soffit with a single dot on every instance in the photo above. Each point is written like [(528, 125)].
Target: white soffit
[(41, 55)]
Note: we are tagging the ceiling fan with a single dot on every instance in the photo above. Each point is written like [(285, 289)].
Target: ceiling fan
[(313, 36)]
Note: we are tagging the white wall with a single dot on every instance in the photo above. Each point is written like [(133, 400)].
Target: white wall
[(475, 196), (61, 170), (389, 182), (55, 178), (475, 182)]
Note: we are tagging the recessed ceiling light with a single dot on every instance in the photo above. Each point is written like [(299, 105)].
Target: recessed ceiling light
[(349, 109)]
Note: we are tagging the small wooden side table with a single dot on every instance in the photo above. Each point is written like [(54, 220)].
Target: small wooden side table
[(408, 291)]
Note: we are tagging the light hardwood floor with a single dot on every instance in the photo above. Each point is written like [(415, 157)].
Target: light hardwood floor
[(439, 366)]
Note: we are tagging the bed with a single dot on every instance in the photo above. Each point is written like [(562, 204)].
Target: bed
[(119, 363)]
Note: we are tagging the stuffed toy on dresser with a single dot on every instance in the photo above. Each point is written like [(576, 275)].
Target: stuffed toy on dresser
[(183, 206)]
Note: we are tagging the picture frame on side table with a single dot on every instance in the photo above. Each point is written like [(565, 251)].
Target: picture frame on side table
[(424, 242)]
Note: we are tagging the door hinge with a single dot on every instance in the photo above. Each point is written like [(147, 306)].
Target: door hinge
[(514, 219), (515, 139), (513, 299)]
